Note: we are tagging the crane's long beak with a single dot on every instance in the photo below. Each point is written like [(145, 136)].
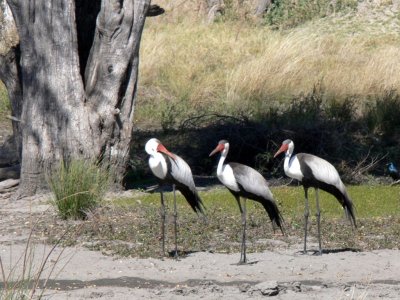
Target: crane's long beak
[(219, 148), (161, 148), (283, 148)]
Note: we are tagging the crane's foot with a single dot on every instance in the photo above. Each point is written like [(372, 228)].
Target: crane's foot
[(243, 263), (175, 255), (306, 252), (311, 252), (318, 252)]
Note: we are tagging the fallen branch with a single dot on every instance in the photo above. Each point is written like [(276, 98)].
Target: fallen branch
[(12, 118), (396, 182), (366, 164), (7, 184)]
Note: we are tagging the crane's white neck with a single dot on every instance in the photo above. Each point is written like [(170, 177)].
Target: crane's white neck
[(291, 165), (288, 156), (286, 162), (220, 167)]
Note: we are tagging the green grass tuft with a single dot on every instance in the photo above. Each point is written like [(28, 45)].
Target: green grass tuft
[(78, 187), (4, 101)]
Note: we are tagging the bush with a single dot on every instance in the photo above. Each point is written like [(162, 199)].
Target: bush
[(306, 110), (288, 14), (383, 116), (78, 186), (342, 111)]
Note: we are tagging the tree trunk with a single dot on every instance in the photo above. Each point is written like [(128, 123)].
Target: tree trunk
[(215, 9), (111, 79), (66, 115), (262, 7)]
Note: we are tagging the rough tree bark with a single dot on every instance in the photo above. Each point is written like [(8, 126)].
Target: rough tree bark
[(262, 7), (215, 9), (76, 105)]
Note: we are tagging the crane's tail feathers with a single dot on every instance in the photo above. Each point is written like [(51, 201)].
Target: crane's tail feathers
[(194, 200), (274, 214), (340, 194), (349, 209)]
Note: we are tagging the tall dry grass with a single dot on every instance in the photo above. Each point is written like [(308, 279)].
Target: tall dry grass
[(292, 64), (189, 65)]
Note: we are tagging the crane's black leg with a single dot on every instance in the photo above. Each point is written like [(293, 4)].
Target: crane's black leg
[(175, 224), (306, 215), (162, 213), (243, 258), (239, 204), (318, 221)]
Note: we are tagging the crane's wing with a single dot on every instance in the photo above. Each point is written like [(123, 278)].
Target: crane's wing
[(254, 186), (316, 168), (320, 169), (251, 181), (183, 179)]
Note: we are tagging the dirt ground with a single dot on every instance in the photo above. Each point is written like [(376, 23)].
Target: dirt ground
[(77, 273)]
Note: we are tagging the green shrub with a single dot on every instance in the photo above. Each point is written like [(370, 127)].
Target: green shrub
[(383, 116), (306, 110), (288, 14), (4, 102), (78, 186), (342, 111)]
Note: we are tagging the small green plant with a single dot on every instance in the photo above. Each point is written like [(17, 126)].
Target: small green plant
[(169, 116), (4, 102), (78, 186)]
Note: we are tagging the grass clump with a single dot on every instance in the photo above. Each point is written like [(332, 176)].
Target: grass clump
[(78, 186), (4, 102)]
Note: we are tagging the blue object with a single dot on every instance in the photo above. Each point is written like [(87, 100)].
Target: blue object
[(393, 171), (392, 168)]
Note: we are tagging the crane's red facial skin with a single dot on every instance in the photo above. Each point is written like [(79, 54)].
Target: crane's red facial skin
[(219, 148), (283, 148), (161, 148)]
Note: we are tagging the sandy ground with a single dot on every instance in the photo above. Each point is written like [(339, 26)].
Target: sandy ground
[(282, 274)]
